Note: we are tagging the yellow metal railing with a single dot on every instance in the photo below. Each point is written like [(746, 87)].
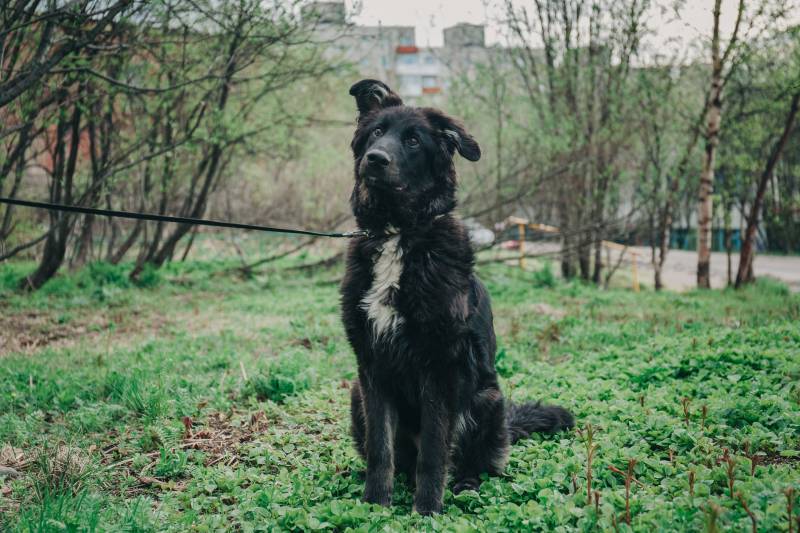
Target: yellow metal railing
[(523, 224)]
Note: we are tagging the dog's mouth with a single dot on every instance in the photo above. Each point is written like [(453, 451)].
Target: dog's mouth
[(383, 183)]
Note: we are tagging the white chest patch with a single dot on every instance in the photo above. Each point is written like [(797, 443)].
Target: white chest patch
[(377, 302)]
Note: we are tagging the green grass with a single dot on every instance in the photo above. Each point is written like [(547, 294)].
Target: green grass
[(203, 402)]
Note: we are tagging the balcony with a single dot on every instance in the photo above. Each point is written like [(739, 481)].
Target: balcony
[(406, 49), (431, 90)]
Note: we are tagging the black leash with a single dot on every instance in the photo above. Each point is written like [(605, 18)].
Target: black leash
[(177, 220)]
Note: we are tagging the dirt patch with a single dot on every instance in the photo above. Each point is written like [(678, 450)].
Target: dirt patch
[(11, 457), (11, 460), (220, 438), (31, 331)]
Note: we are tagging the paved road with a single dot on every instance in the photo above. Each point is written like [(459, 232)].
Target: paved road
[(680, 270)]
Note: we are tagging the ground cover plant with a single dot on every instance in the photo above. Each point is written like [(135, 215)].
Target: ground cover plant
[(198, 401)]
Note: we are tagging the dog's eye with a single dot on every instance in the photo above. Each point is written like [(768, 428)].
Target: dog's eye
[(413, 142), (377, 132)]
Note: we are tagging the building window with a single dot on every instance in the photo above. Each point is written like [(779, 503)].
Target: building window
[(406, 40), (429, 81), (407, 59), (430, 60), (410, 85)]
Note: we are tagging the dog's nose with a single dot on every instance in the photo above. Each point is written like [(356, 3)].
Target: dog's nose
[(378, 157)]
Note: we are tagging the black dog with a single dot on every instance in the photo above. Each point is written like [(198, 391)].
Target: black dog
[(418, 318)]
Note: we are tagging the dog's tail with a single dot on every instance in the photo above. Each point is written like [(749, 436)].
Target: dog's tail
[(527, 418)]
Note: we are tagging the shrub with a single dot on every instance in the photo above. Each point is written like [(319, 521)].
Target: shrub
[(105, 274), (544, 277), (148, 278)]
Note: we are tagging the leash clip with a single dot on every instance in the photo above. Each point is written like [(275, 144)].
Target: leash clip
[(357, 233)]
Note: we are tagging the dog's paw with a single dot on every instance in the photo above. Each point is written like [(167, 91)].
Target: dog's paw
[(466, 484), (380, 497), (427, 507)]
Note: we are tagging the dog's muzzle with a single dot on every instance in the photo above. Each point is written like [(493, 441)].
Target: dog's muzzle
[(376, 168)]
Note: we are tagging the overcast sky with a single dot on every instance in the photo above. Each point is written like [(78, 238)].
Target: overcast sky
[(431, 16)]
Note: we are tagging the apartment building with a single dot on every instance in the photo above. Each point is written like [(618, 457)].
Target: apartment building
[(391, 53)]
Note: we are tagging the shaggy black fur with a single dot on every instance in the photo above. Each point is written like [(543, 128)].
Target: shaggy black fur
[(426, 400)]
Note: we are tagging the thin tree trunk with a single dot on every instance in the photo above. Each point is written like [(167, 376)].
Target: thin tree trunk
[(117, 256), (189, 245), (584, 256), (84, 243), (597, 219), (728, 241), (664, 227), (598, 259), (168, 248), (22, 247), (55, 247), (567, 244), (705, 208), (19, 173), (745, 272), (17, 157), (99, 151), (209, 167)]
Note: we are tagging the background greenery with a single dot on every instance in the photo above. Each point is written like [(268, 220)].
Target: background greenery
[(240, 111)]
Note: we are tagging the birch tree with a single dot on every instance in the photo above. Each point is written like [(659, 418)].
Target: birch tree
[(752, 21)]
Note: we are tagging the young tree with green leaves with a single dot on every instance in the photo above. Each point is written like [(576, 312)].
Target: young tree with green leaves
[(781, 100), (150, 105), (575, 60)]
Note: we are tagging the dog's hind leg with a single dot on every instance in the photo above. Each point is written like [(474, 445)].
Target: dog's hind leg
[(482, 444)]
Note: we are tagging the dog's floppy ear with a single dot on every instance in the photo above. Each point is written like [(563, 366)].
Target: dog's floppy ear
[(454, 134), (371, 95)]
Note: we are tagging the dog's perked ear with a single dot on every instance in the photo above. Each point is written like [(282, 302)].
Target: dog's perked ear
[(372, 95), (454, 134)]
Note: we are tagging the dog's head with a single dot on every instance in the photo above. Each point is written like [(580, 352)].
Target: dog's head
[(403, 159)]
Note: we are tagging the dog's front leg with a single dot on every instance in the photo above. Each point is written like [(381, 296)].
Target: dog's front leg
[(381, 419), (433, 455)]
